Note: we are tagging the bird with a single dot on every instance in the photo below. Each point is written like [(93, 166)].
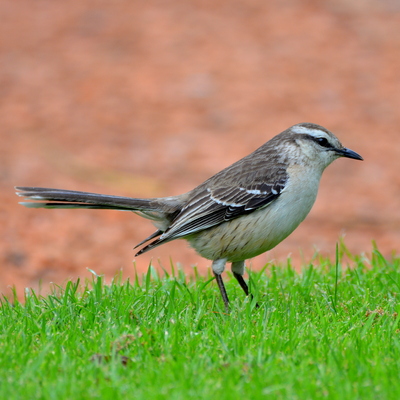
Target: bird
[(242, 211)]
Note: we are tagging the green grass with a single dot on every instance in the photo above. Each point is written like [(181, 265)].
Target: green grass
[(327, 332)]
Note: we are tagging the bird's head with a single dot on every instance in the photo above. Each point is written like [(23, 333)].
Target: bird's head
[(315, 145)]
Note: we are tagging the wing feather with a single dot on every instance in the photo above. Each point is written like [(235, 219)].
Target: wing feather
[(240, 189), (221, 205)]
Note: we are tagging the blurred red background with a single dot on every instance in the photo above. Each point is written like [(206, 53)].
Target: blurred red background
[(150, 98)]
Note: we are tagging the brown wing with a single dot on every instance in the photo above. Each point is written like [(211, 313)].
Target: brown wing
[(213, 206)]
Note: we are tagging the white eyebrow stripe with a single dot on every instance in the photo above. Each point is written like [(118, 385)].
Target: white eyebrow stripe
[(308, 131)]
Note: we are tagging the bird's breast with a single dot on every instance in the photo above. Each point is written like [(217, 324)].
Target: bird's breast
[(250, 235)]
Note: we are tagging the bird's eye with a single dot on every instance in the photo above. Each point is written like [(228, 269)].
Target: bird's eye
[(323, 142)]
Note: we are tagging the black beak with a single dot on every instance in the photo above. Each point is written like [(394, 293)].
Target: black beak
[(348, 154)]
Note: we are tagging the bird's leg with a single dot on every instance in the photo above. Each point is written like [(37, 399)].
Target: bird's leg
[(222, 290), (238, 271), (218, 267)]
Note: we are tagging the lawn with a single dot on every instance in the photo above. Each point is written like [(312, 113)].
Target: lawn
[(331, 331)]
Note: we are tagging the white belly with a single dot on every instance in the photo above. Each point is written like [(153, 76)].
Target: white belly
[(253, 234)]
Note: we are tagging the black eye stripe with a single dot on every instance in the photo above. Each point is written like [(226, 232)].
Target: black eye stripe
[(321, 141)]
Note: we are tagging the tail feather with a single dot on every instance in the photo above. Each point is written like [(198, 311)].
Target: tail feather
[(152, 236), (59, 198), (151, 245), (161, 211), (50, 204)]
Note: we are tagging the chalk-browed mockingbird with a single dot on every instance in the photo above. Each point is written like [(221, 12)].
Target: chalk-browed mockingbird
[(239, 213)]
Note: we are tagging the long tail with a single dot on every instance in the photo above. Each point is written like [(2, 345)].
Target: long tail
[(59, 198), (160, 210)]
